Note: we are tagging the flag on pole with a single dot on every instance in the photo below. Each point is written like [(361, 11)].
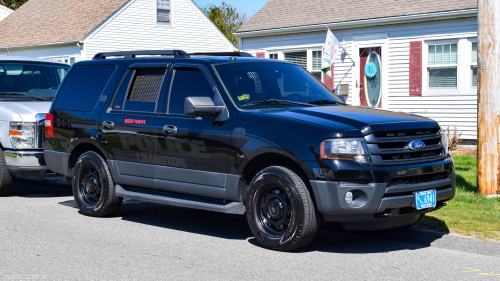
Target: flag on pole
[(331, 50)]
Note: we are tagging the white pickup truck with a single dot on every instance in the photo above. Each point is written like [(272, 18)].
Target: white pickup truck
[(27, 88)]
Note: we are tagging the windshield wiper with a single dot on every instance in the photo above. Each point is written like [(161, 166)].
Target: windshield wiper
[(323, 101), (22, 94), (273, 101)]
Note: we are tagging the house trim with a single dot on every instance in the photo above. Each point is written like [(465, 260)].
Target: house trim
[(43, 45), (359, 23)]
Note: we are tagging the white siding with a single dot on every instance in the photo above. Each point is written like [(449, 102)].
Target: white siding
[(4, 12), (450, 108), (135, 28), (49, 52)]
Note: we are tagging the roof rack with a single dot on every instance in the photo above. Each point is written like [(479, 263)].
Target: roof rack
[(133, 54), (223, 54)]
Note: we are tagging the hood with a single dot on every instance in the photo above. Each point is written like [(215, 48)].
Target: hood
[(353, 121), (24, 111)]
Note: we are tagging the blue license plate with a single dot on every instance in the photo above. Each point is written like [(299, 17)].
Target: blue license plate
[(425, 199)]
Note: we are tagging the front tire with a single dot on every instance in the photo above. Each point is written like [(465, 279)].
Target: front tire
[(93, 186), (280, 211), (5, 177)]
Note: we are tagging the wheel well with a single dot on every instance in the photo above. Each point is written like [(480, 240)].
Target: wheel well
[(271, 159), (78, 151)]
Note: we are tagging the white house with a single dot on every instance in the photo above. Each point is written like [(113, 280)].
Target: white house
[(74, 30), (422, 53), (4, 12)]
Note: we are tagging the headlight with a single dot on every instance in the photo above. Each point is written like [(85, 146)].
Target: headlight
[(22, 135), (444, 141), (345, 149)]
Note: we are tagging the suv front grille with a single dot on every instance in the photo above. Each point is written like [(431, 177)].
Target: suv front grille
[(401, 181), (390, 147)]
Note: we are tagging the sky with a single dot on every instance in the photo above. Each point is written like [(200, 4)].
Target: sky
[(250, 6)]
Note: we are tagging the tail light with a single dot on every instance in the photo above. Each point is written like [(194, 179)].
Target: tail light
[(49, 126)]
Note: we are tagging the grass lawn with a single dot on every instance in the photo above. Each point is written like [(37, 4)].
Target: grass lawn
[(469, 213)]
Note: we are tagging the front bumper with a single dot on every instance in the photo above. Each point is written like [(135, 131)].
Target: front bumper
[(26, 163), (386, 200)]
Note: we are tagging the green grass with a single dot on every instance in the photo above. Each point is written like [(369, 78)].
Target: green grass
[(469, 213)]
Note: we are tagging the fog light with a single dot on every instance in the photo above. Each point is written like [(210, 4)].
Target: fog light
[(348, 198)]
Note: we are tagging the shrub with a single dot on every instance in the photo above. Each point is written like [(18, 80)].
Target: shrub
[(453, 138)]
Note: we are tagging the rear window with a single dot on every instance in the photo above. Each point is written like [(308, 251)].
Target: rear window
[(83, 87)]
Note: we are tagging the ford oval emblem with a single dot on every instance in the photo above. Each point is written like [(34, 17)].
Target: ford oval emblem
[(416, 145)]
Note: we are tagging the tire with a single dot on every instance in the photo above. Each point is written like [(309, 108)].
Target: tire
[(5, 177), (93, 186), (280, 211)]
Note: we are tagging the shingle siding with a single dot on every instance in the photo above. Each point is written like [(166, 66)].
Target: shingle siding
[(291, 13)]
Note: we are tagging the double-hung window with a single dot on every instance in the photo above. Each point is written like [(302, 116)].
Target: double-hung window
[(299, 58), (316, 64), (163, 11), (473, 67), (273, 56), (442, 66)]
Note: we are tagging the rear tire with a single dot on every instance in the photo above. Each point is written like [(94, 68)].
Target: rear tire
[(5, 177), (280, 211), (93, 186)]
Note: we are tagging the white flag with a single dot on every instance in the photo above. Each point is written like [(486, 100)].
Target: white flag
[(331, 50)]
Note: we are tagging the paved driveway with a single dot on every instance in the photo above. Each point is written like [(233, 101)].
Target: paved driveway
[(42, 236)]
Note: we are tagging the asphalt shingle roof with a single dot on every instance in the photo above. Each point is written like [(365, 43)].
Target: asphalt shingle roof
[(52, 21), (291, 13)]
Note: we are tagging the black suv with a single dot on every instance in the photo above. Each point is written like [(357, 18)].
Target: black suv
[(230, 133)]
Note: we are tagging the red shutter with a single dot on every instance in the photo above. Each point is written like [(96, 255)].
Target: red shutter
[(416, 68), (261, 55), (329, 82)]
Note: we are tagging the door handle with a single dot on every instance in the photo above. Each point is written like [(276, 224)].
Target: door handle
[(169, 129), (108, 125)]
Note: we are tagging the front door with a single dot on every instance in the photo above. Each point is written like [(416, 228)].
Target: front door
[(191, 152), (370, 74)]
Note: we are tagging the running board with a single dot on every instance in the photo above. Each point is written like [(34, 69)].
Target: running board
[(230, 208)]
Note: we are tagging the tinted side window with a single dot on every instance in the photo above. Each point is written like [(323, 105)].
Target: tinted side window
[(145, 89), (188, 82), (83, 87), (122, 91)]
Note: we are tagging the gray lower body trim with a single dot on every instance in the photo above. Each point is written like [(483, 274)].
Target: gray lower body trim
[(162, 178), (57, 161), (230, 208)]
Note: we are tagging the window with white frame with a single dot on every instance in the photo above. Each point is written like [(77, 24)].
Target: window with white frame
[(473, 67), (163, 11), (442, 66), (316, 64), (273, 56), (299, 58)]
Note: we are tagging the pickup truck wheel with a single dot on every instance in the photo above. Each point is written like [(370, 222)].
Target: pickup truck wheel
[(5, 178), (280, 211), (93, 186)]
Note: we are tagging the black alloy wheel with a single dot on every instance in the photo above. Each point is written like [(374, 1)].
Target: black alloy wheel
[(93, 186), (275, 210), (279, 210)]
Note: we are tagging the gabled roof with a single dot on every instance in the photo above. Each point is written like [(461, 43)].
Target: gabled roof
[(53, 21), (292, 13)]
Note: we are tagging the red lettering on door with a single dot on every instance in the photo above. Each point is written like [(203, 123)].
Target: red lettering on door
[(129, 121), (140, 122)]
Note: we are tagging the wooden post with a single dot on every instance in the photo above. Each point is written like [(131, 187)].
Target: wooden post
[(488, 96)]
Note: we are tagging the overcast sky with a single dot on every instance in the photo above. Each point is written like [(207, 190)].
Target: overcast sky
[(250, 6)]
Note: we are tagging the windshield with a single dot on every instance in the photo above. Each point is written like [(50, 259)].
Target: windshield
[(260, 81), (30, 80)]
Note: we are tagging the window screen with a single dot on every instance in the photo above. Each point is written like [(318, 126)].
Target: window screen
[(188, 82), (163, 11), (145, 89), (299, 58), (442, 61), (83, 87)]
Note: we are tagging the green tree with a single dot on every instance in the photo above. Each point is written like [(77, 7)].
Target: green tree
[(227, 19), (12, 4)]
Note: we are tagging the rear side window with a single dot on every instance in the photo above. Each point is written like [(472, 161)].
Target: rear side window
[(83, 87), (140, 90), (188, 82)]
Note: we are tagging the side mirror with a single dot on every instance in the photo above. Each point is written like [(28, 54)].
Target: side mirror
[(201, 106), (342, 98)]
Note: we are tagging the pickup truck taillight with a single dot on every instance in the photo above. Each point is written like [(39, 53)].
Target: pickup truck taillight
[(49, 126)]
